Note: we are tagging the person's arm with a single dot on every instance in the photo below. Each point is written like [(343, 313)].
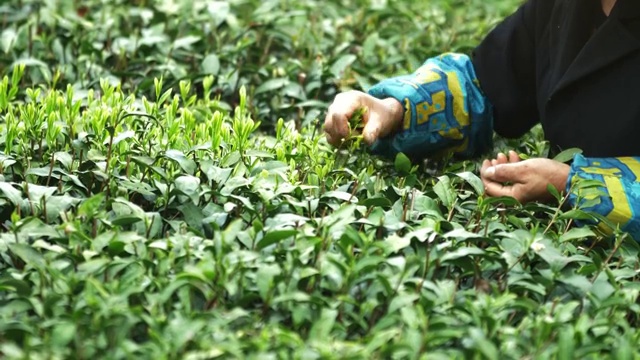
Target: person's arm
[(453, 103), (444, 109), (613, 194), (618, 200)]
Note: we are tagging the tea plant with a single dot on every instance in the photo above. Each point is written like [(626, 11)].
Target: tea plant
[(148, 212), (292, 56)]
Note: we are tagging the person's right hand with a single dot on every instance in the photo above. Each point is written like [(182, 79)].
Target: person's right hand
[(525, 180), (382, 118)]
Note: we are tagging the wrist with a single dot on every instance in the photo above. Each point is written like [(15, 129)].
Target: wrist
[(396, 111), (562, 177)]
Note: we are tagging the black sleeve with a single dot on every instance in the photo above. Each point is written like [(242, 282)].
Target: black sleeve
[(505, 63)]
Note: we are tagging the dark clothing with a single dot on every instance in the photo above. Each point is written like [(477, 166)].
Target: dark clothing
[(599, 17), (561, 63)]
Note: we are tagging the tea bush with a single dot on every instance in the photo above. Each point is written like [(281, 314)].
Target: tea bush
[(167, 193)]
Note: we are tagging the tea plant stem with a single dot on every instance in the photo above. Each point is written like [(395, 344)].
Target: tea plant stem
[(557, 212), (413, 200), (30, 32), (615, 249), (427, 264), (26, 191), (44, 208), (107, 182), (265, 52), (453, 207), (353, 191), (51, 164), (128, 167), (41, 148)]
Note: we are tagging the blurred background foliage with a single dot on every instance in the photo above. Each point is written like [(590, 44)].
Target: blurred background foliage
[(293, 56)]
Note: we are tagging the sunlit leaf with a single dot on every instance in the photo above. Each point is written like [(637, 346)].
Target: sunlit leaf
[(188, 165), (12, 194)]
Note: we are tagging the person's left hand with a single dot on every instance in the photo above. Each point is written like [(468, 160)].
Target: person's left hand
[(523, 180)]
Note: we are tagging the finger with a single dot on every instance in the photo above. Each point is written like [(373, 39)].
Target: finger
[(330, 139), (485, 165), (496, 189), (338, 114), (502, 158), (340, 126), (494, 162), (372, 129), (334, 137), (328, 129), (386, 117), (513, 157), (347, 103), (504, 173)]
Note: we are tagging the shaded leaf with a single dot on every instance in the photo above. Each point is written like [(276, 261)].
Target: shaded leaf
[(402, 164), (275, 236)]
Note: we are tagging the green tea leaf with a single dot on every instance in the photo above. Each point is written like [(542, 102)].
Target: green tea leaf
[(275, 236), (445, 191), (322, 328), (271, 85), (341, 64), (567, 155), (90, 206), (211, 64), (577, 234), (566, 343), (356, 121), (482, 344), (28, 255), (402, 164), (473, 180), (12, 194), (188, 165)]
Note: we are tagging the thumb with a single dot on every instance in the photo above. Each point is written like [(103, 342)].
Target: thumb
[(497, 189), (503, 173)]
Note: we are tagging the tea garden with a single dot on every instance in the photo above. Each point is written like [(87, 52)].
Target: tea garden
[(167, 192)]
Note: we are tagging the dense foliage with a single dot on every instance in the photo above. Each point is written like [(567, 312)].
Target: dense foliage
[(167, 193)]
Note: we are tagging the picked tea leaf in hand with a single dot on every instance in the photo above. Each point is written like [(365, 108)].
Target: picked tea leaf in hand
[(356, 125), (356, 122)]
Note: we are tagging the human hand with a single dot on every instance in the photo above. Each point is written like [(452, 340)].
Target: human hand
[(382, 117), (523, 180)]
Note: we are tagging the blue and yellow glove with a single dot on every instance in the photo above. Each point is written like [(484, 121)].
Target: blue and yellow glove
[(444, 110)]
